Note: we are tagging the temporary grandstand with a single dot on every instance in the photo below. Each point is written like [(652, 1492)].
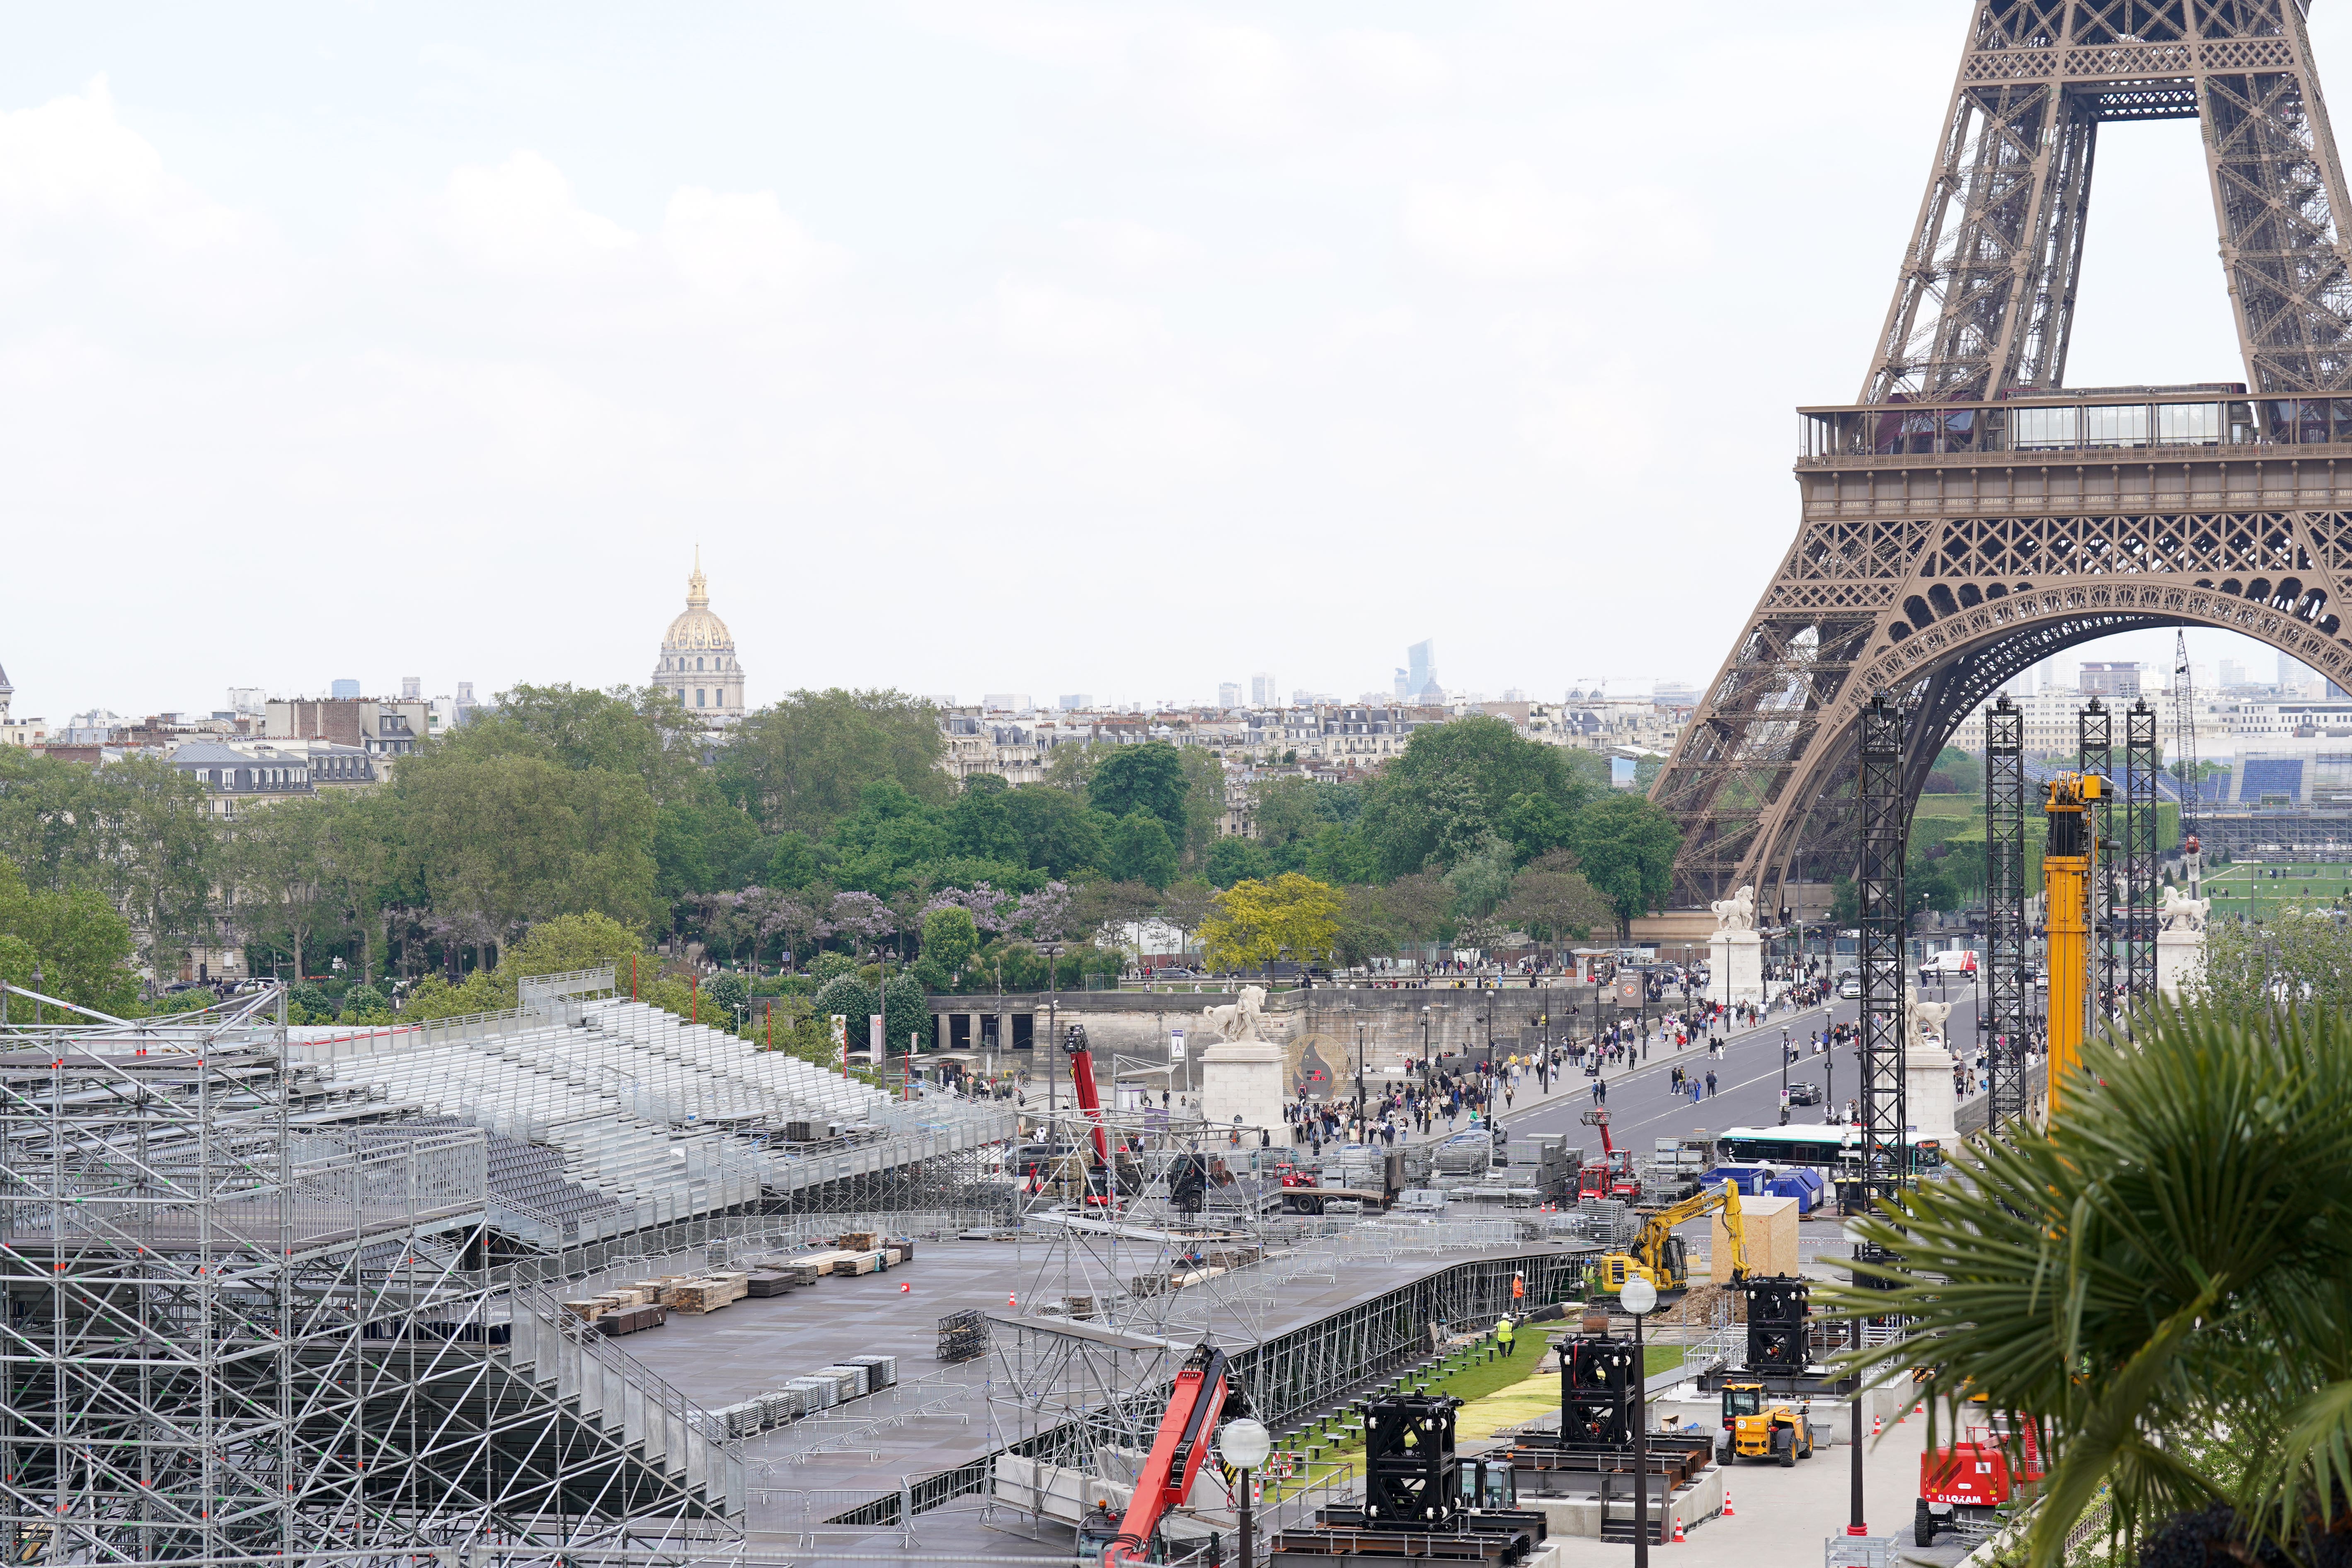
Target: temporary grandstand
[(292, 1297)]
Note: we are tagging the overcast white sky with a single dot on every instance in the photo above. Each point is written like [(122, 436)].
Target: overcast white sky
[(983, 347)]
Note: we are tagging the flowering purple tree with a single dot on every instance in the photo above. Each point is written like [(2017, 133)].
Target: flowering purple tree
[(861, 916), (987, 907), (1044, 914), (794, 920)]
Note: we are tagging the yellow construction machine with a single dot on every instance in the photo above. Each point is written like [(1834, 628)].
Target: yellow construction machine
[(1659, 1254), (1757, 1427)]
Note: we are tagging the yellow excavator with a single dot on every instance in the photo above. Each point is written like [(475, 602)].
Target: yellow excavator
[(1659, 1254)]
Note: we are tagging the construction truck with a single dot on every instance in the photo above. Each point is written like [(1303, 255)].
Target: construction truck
[(1971, 1484), (1659, 1256), (1756, 1426), (1613, 1175)]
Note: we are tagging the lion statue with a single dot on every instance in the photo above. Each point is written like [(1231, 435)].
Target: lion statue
[(1238, 1021), (1736, 912), (2190, 912)]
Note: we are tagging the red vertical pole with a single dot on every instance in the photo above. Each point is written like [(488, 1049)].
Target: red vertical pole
[(633, 977), (694, 998)]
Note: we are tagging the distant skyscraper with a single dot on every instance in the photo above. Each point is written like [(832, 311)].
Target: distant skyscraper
[(1402, 690), (1229, 694), (2233, 673), (412, 688), (1264, 693), (1070, 702), (344, 692), (1006, 703), (1420, 666)]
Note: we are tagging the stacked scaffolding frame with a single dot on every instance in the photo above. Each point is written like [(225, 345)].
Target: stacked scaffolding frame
[(231, 1331), (2138, 854), (2095, 741), (1885, 830), (2008, 974)]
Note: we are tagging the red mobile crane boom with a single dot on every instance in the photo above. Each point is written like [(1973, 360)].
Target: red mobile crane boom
[(1082, 1083), (1195, 1405), (1613, 1175)]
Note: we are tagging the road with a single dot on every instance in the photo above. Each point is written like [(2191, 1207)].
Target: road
[(1748, 1082)]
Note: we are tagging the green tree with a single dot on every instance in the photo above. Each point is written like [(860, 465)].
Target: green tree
[(2302, 956), (1140, 850), (2159, 1284), (906, 1013), (1340, 854), (644, 730), (1147, 778), (1626, 847), (950, 939), (850, 998), (1232, 860), (1481, 882), (275, 856), (1454, 784), (1367, 929), (1204, 800), (1552, 900), (140, 832), (1845, 902), (793, 862), (705, 847), (1058, 835), (504, 841), (980, 825), (81, 946), (803, 765), (882, 847)]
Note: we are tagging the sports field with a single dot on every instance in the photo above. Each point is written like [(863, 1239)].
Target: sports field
[(2262, 892)]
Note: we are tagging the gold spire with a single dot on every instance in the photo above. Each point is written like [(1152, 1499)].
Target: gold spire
[(697, 592)]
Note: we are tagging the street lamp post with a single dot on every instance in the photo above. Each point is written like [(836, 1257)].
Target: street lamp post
[(1640, 1299), (1244, 1445)]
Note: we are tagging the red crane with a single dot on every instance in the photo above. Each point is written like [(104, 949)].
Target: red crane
[(1082, 1082), (1613, 1175), (1195, 1405)]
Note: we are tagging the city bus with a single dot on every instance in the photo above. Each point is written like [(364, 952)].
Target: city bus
[(1829, 1147)]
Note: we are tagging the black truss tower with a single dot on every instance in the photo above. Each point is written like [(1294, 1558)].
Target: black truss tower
[(2138, 857), (2095, 736), (1884, 827), (2007, 971)]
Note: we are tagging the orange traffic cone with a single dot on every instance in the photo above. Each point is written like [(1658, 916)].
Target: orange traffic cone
[(1877, 1426), (1728, 1511), (1009, 1302), (905, 1289), (1679, 1536)]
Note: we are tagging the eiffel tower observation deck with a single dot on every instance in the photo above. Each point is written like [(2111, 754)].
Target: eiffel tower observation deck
[(1969, 514)]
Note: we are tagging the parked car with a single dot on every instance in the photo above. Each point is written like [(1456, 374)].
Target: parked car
[(1801, 1093)]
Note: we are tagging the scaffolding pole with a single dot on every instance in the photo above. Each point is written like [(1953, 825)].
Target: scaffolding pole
[(2138, 858), (1885, 1152), (2009, 975), (2096, 742)]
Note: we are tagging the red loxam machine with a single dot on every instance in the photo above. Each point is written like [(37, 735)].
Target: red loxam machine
[(1100, 1184), (1611, 1175), (1200, 1400)]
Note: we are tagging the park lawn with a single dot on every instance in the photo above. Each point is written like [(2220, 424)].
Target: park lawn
[(1537, 1393)]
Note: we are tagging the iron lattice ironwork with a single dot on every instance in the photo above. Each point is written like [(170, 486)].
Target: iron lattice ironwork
[(2137, 854), (1886, 822), (2094, 737), (1969, 517), (2008, 967)]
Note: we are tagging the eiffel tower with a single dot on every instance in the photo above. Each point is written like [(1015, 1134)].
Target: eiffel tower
[(1970, 515)]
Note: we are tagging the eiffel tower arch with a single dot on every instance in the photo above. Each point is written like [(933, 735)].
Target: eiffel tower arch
[(1970, 515)]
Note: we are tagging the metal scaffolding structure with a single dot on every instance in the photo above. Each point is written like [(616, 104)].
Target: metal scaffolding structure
[(2095, 753), (1968, 516), (2009, 974), (2137, 855), (1885, 831), (257, 1303)]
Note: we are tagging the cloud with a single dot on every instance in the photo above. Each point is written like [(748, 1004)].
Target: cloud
[(1127, 246), (1395, 70), (1054, 322), (518, 218), (70, 159), (1510, 227), (732, 244)]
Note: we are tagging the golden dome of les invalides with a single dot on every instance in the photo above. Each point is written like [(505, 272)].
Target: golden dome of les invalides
[(697, 657)]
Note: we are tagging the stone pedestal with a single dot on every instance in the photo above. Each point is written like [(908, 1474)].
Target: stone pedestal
[(1735, 968), (1244, 1079), (1927, 1091), (2179, 960)]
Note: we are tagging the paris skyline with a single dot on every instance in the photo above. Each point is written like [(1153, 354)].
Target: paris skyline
[(1383, 315)]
